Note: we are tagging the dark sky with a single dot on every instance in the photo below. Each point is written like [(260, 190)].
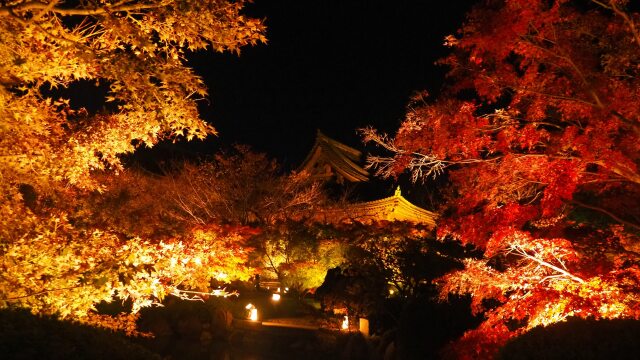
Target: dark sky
[(334, 65)]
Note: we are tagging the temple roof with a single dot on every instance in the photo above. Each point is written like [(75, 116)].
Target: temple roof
[(330, 158), (393, 208)]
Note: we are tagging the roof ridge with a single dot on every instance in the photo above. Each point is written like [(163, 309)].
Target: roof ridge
[(341, 157), (335, 143)]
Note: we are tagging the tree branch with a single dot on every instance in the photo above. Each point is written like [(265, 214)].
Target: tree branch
[(196, 295), (625, 17), (634, 124), (608, 213), (620, 170), (43, 292), (574, 66), (35, 5), (520, 251)]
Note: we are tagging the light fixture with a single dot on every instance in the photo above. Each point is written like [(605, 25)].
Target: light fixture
[(253, 312)]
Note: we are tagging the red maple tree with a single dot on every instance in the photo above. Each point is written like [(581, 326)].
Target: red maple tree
[(538, 131)]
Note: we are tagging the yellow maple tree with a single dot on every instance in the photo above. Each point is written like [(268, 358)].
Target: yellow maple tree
[(136, 47), (50, 151)]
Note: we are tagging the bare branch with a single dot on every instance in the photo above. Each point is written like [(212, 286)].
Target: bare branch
[(517, 249), (192, 295), (369, 134)]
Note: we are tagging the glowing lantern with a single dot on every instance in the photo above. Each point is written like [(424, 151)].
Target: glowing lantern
[(364, 326), (275, 297), (253, 314), (345, 323)]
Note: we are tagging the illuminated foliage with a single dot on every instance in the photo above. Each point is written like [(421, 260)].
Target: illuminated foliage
[(400, 253), (539, 135), (66, 271), (242, 187), (385, 260), (299, 254), (136, 48), (119, 244), (61, 250), (308, 272), (134, 203)]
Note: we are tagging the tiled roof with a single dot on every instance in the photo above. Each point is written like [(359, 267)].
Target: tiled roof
[(331, 158), (393, 208)]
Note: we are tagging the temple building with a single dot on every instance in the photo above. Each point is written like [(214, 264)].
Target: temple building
[(392, 208), (332, 161)]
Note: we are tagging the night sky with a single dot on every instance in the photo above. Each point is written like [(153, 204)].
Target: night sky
[(334, 65)]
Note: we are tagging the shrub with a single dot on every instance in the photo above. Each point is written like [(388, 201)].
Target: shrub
[(26, 336)]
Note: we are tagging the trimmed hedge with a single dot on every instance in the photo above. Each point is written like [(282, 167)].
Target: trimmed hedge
[(25, 336)]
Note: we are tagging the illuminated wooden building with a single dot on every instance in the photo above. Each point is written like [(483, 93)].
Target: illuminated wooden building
[(392, 208), (333, 161)]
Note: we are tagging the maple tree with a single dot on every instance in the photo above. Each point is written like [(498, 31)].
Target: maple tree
[(243, 187), (239, 187), (64, 259), (53, 275), (401, 252), (134, 203), (539, 135), (56, 255), (137, 48), (236, 188), (300, 253)]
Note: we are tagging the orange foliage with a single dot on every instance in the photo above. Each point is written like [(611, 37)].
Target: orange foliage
[(58, 252), (56, 268), (136, 48)]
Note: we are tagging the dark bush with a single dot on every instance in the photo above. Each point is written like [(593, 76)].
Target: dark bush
[(577, 339), (24, 336)]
